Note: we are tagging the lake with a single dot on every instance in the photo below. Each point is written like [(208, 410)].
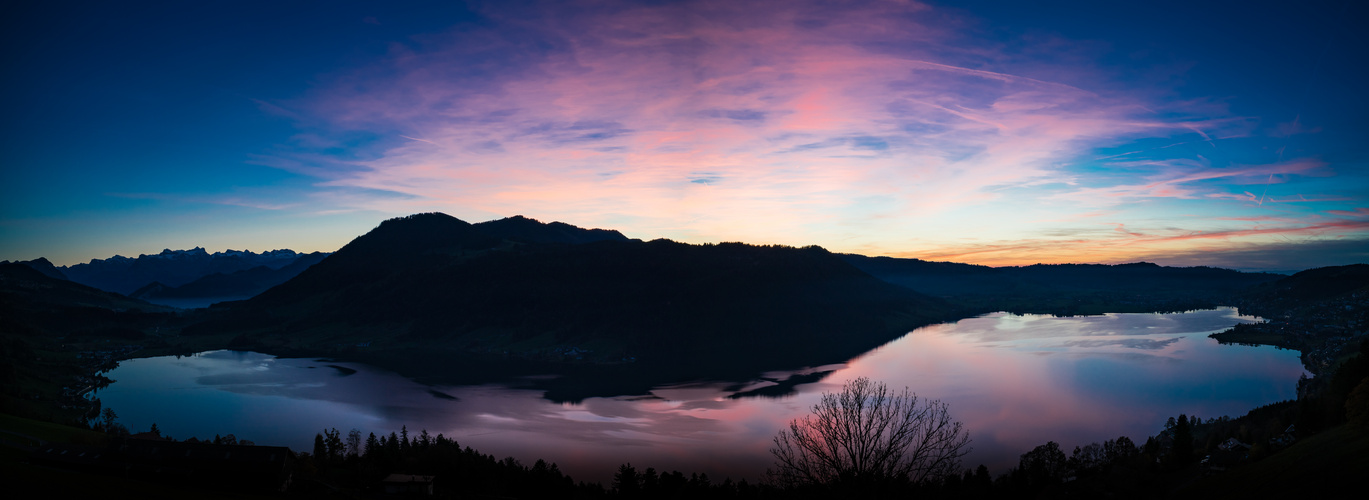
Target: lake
[(1015, 381)]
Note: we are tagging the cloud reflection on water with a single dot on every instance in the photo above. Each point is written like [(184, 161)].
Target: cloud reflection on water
[(1015, 381), (1127, 343)]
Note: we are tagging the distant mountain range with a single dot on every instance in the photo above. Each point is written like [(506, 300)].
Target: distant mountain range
[(196, 278), (185, 278), (171, 268), (219, 287)]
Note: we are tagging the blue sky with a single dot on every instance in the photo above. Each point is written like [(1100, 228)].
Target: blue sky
[(1184, 133)]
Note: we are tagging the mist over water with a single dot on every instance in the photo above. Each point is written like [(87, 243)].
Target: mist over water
[(1015, 381)]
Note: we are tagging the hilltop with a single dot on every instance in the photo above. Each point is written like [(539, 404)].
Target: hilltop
[(433, 283)]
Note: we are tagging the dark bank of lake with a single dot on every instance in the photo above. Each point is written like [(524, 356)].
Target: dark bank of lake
[(1016, 381)]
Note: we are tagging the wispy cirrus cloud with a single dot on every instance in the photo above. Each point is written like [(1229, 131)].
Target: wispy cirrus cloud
[(795, 113), (883, 127), (1194, 179)]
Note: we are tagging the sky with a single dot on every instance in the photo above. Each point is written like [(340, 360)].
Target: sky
[(1226, 134)]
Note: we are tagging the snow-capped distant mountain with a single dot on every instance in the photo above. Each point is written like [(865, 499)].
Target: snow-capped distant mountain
[(219, 287), (171, 267)]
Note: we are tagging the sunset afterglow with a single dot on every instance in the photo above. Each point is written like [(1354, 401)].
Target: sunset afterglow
[(986, 134)]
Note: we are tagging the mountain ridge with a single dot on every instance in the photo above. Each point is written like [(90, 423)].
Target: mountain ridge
[(435, 283), (217, 287), (435, 297), (1065, 288), (172, 268)]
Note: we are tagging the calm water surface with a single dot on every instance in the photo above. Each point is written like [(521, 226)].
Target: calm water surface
[(1015, 381)]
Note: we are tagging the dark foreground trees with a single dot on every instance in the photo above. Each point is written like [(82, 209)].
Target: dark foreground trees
[(867, 439)]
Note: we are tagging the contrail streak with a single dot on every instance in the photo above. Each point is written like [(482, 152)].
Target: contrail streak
[(1266, 190)]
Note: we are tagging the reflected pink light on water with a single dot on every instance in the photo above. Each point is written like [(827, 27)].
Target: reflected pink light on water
[(1008, 401), (1014, 381)]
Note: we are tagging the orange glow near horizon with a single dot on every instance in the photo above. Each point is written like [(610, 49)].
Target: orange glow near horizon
[(879, 127)]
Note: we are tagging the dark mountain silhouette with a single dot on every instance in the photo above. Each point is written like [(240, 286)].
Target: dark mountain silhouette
[(217, 287), (434, 283), (42, 265), (420, 241), (523, 229), (932, 278), (430, 295), (32, 303), (171, 268), (156, 288), (22, 284), (1065, 288), (50, 333), (1312, 293), (1139, 276), (1318, 284)]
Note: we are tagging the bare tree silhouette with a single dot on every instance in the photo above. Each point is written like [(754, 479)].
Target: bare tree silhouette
[(866, 438)]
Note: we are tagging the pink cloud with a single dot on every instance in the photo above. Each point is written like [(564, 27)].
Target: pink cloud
[(793, 113), (1361, 212), (882, 127)]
